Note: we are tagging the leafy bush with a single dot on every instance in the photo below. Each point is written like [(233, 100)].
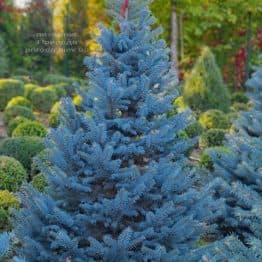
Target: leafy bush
[(40, 182), (53, 118), (43, 99), (204, 89), (12, 174), (14, 111), (240, 107), (212, 137), (206, 161), (56, 79), (239, 97), (14, 123), (7, 201), (214, 119), (29, 89), (22, 149), (194, 130), (9, 88), (20, 101), (59, 89), (30, 128)]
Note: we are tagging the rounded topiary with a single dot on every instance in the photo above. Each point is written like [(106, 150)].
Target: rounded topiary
[(43, 99), (214, 119), (30, 128), (22, 149), (204, 88), (239, 97), (59, 89), (14, 123), (14, 111), (194, 130), (39, 182), (20, 101), (29, 89), (7, 201), (12, 174), (9, 88), (240, 107), (212, 137)]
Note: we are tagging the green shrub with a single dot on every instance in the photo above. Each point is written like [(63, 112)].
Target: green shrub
[(29, 89), (59, 89), (77, 101), (204, 88), (14, 111), (20, 101), (9, 88), (214, 119), (180, 104), (51, 79), (206, 161), (12, 125), (240, 107), (239, 97), (53, 120), (43, 99), (40, 182), (212, 137), (42, 156), (30, 128), (7, 201), (22, 149), (194, 130), (24, 78), (12, 174)]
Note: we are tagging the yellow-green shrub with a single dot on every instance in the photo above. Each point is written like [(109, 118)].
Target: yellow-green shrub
[(20, 101), (214, 119), (14, 111), (30, 128), (9, 88), (12, 174)]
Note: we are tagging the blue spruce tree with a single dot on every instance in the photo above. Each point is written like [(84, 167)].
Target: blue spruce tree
[(120, 187), (241, 171)]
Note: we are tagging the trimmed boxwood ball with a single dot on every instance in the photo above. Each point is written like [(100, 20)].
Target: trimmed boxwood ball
[(12, 174), (30, 128), (239, 97), (214, 119), (14, 123), (9, 88), (59, 89), (14, 111), (39, 182), (43, 99), (22, 149), (7, 201), (194, 130), (29, 89), (20, 101), (212, 137), (239, 107)]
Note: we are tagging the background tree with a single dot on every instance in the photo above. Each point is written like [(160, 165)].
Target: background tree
[(204, 89)]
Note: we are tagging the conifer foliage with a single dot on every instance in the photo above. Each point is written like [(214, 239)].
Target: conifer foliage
[(241, 170), (204, 89), (120, 188)]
